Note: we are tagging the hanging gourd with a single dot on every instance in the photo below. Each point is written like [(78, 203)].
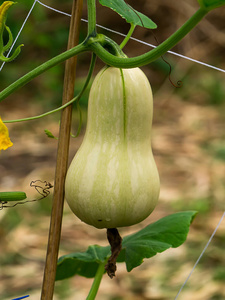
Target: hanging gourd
[(113, 180)]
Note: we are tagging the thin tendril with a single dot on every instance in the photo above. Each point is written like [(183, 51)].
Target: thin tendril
[(76, 98), (21, 28), (179, 82), (43, 191), (80, 121)]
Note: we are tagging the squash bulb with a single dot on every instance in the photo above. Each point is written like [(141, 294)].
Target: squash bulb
[(113, 180)]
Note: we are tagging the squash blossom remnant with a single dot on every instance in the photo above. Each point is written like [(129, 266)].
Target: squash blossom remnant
[(5, 141), (3, 48)]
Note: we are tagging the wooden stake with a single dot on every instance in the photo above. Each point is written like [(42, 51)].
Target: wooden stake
[(62, 159)]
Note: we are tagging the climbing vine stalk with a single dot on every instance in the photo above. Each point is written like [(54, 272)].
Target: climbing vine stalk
[(152, 55), (96, 44)]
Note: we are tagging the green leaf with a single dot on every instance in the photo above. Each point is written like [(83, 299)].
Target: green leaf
[(170, 231), (82, 263), (128, 13), (211, 4)]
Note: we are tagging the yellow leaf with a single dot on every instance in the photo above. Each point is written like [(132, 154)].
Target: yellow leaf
[(5, 141)]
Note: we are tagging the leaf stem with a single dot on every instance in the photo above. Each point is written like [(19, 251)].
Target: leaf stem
[(96, 283), (91, 17), (130, 32)]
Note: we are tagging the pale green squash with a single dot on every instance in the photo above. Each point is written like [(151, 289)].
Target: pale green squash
[(113, 180)]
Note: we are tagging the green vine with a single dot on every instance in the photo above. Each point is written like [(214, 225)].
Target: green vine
[(96, 283), (152, 55), (41, 69), (76, 98), (99, 44)]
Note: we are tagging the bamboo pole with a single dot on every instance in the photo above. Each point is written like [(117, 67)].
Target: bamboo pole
[(62, 158)]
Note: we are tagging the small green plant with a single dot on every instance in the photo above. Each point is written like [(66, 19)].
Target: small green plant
[(113, 181)]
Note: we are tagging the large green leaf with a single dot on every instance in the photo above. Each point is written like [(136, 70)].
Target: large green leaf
[(128, 13), (211, 4), (170, 231)]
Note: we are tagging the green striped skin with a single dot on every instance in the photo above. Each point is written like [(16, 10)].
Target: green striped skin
[(12, 196), (113, 180)]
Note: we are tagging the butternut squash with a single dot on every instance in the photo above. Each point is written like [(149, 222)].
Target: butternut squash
[(113, 180)]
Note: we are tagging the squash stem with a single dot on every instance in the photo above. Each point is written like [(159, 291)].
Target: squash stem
[(96, 283), (115, 242)]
